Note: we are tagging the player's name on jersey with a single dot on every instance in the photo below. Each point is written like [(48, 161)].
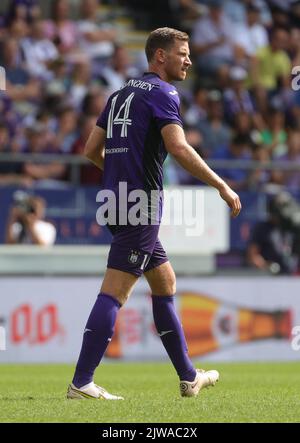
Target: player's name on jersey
[(139, 84), (116, 150)]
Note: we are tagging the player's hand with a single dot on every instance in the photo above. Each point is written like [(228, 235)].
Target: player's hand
[(232, 200)]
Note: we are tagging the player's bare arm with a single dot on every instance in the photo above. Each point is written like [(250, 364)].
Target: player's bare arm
[(94, 148), (176, 144)]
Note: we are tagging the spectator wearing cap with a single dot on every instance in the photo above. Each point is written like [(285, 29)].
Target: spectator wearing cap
[(213, 129), (212, 41), (237, 98)]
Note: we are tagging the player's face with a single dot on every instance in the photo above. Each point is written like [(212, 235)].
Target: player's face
[(177, 61)]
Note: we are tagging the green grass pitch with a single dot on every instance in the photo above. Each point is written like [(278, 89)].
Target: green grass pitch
[(262, 392)]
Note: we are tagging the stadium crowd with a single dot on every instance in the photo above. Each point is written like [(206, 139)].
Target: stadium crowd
[(238, 104)]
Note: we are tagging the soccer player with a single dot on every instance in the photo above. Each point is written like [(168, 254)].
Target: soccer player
[(139, 126)]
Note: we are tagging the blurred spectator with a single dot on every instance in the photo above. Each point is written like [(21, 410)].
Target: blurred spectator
[(290, 179), (213, 129), (238, 149), (26, 222), (271, 67), (198, 110), (212, 41), (273, 62), (89, 175), (27, 10), (59, 83), (21, 88), (237, 98), (274, 136), (174, 174), (60, 29), (96, 37), (251, 35), (259, 177), (38, 51), (242, 124), (18, 29), (66, 132), (295, 13), (236, 10), (151, 14), (94, 102), (294, 46), (280, 13), (79, 83), (43, 172), (271, 246), (118, 71), (9, 116), (10, 172)]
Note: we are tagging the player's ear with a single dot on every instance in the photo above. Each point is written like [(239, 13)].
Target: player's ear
[(160, 55)]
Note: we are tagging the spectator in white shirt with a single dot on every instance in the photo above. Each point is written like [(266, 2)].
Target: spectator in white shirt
[(38, 51), (251, 35), (96, 38), (236, 10), (212, 41), (26, 222)]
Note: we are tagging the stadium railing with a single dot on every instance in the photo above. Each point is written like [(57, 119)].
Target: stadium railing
[(76, 161)]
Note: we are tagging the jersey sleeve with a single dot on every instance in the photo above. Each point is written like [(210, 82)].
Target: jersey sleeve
[(165, 107)]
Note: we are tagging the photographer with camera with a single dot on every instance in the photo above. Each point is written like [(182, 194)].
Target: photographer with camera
[(274, 244), (26, 224)]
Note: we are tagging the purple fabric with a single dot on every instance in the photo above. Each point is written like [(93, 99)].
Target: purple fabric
[(96, 337), (172, 336), (136, 249), (133, 119)]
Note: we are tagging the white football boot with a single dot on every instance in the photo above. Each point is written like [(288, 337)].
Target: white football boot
[(90, 391), (203, 379)]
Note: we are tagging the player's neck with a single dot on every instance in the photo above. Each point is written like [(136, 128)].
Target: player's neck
[(160, 72)]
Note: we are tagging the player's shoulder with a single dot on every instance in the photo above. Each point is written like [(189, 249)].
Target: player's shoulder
[(165, 93), (167, 89)]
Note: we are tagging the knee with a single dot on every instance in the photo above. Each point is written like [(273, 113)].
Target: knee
[(172, 285), (169, 286)]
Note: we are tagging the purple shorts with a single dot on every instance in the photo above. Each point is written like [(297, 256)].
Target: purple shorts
[(135, 249)]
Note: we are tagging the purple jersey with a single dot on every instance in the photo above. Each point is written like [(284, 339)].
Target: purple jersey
[(133, 118)]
